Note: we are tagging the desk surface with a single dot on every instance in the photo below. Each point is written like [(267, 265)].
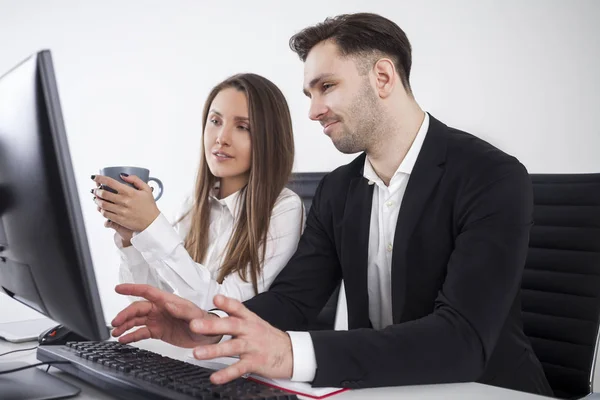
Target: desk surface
[(462, 391)]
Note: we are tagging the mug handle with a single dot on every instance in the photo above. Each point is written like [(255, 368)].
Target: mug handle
[(160, 187)]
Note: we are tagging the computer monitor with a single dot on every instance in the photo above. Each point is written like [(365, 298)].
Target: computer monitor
[(45, 261)]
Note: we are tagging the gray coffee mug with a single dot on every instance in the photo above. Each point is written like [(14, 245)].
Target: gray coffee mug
[(142, 173)]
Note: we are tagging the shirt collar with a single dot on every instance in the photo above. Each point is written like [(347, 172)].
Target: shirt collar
[(408, 163), (231, 201)]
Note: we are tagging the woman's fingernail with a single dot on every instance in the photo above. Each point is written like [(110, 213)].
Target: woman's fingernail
[(124, 174), (92, 191), (93, 177)]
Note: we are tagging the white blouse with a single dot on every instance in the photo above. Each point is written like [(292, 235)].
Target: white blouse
[(158, 257)]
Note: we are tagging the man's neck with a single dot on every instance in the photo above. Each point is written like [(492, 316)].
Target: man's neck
[(392, 146)]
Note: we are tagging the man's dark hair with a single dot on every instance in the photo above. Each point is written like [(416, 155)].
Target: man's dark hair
[(370, 36)]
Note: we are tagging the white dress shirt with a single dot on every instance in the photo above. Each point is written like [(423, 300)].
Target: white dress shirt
[(384, 216), (158, 257)]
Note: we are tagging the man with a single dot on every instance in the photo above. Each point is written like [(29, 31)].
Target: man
[(428, 227)]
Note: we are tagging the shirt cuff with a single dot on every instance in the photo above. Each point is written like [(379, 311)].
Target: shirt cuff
[(128, 254), (304, 360), (158, 240), (221, 314)]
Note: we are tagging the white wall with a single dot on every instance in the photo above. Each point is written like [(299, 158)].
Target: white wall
[(133, 76)]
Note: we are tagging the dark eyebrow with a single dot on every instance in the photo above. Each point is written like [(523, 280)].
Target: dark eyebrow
[(243, 119), (315, 81)]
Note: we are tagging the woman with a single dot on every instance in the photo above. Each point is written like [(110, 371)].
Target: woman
[(242, 225)]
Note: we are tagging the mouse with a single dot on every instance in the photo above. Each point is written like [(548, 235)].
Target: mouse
[(59, 335)]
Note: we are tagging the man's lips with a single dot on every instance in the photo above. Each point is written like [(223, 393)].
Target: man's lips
[(328, 127)]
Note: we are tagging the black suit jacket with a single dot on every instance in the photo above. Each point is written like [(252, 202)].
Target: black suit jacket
[(459, 250)]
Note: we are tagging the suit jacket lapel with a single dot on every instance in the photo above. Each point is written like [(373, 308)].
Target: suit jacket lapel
[(423, 180), (355, 249)]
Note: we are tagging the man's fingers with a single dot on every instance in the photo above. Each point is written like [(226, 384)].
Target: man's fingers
[(232, 307), (175, 305), (185, 310), (140, 334), (148, 292), (129, 324), (233, 347), (219, 326), (134, 310), (230, 373)]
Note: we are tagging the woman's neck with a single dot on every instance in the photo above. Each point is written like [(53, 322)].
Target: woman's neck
[(231, 185)]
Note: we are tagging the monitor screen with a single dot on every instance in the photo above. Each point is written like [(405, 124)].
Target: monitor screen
[(45, 261)]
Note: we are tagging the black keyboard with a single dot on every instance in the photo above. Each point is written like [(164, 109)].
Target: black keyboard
[(131, 373)]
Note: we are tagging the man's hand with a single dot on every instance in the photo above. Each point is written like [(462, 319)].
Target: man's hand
[(263, 349), (163, 316)]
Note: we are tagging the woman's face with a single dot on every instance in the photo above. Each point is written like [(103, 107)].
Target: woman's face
[(227, 141)]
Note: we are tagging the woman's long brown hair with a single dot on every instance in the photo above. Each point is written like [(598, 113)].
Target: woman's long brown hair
[(272, 158)]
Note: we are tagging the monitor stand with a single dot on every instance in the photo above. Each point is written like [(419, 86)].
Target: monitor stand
[(32, 384)]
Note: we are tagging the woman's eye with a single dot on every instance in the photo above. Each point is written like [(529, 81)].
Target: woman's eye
[(214, 121), (244, 128)]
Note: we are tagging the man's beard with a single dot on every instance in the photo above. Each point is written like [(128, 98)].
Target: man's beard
[(366, 111)]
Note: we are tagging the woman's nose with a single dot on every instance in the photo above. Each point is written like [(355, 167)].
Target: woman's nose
[(224, 137)]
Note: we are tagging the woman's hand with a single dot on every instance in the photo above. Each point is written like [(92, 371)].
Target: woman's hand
[(125, 234), (132, 209)]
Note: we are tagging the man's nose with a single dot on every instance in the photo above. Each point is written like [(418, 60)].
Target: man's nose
[(317, 110)]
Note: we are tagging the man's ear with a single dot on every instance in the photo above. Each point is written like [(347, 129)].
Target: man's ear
[(386, 77)]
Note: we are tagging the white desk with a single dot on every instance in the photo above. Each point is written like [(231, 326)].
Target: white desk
[(462, 391)]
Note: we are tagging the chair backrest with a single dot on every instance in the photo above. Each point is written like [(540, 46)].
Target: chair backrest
[(305, 184), (561, 281)]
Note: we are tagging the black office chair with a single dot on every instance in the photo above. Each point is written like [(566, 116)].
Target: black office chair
[(561, 282), (305, 184)]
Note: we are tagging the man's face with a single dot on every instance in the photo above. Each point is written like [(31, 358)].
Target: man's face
[(342, 99)]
